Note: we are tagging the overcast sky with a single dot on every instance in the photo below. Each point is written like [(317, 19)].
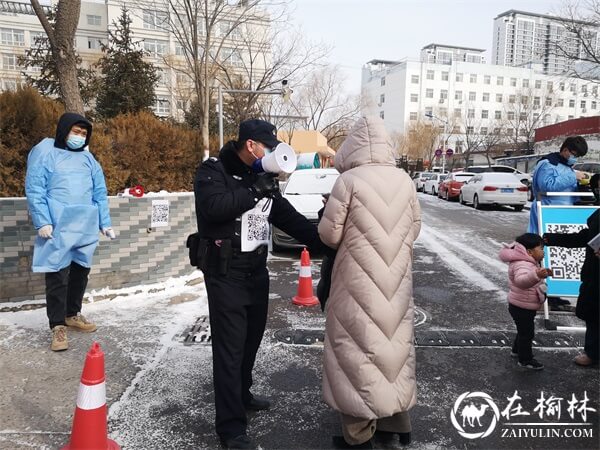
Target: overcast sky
[(361, 30)]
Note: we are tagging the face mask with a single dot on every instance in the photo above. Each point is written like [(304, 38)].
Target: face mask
[(572, 160), (74, 142)]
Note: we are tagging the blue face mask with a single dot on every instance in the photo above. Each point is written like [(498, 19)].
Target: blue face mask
[(75, 142), (572, 160)]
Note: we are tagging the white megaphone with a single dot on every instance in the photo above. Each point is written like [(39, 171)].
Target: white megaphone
[(281, 159)]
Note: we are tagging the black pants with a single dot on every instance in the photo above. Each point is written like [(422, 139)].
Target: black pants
[(592, 339), (525, 322), (238, 306), (64, 293)]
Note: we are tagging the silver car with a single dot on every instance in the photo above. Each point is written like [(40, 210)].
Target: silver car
[(304, 190)]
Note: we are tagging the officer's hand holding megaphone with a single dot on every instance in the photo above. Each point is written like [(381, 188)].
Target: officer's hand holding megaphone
[(266, 185)]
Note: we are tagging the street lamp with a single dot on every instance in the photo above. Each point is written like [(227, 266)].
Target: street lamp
[(446, 137), (285, 93)]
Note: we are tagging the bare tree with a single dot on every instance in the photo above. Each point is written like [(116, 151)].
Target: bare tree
[(61, 36), (525, 111), (420, 141), (494, 140), (578, 38)]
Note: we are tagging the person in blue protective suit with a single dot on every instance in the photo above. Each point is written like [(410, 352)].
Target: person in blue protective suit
[(68, 203), (554, 173)]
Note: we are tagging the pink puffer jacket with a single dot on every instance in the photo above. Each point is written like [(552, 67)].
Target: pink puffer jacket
[(525, 286)]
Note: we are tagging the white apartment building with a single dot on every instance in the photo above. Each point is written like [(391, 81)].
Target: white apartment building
[(446, 54), (19, 26), (403, 92), (522, 38)]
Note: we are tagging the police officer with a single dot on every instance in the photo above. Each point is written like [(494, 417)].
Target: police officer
[(234, 206)]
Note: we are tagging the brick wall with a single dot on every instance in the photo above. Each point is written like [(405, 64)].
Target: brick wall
[(139, 255)]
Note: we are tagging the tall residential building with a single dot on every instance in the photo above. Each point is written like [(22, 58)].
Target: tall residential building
[(524, 39), (480, 96), (19, 27), (446, 54)]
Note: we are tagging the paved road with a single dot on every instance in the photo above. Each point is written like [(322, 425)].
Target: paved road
[(159, 390)]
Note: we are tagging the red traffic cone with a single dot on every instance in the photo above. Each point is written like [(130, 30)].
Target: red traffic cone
[(89, 423), (305, 295)]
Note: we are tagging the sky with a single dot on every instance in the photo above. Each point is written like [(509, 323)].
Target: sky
[(361, 30)]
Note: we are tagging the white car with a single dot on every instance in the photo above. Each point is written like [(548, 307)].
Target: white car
[(432, 184), (493, 188), (525, 178), (304, 190), (419, 179)]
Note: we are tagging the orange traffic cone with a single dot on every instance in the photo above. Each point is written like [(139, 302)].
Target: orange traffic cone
[(305, 295), (89, 424)]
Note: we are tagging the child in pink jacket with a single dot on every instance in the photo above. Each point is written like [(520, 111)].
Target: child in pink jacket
[(526, 293)]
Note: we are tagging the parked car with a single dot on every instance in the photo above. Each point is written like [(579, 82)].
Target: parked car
[(589, 168), (419, 179), (525, 178), (450, 187), (490, 188), (304, 190), (431, 185)]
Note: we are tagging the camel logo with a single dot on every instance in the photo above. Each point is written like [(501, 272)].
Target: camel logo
[(471, 407)]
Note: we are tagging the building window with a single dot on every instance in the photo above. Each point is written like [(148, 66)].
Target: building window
[(582, 104), (457, 112), (229, 29), (512, 98), (484, 114), (162, 105), (593, 105), (524, 99), (486, 97), (487, 79), (430, 74), (500, 81), (561, 86), (470, 130), (538, 84), (155, 48), (443, 94), (471, 113), (414, 79), (459, 77), (429, 93), (94, 20), (560, 103), (536, 101), (472, 96), (383, 81), (428, 110), (414, 98), (499, 98), (572, 103), (9, 62), (549, 86), (413, 116), (12, 37), (9, 85), (525, 83), (548, 101), (513, 82), (381, 115), (179, 49), (444, 76), (382, 99), (498, 115), (473, 78), (510, 115), (232, 57), (483, 130), (458, 95), (572, 87), (154, 20)]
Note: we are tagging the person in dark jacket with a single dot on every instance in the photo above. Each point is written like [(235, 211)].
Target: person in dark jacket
[(589, 293), (234, 207)]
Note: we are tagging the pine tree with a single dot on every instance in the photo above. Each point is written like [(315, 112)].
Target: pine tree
[(127, 81)]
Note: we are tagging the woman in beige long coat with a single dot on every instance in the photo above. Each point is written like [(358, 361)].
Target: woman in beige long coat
[(372, 218)]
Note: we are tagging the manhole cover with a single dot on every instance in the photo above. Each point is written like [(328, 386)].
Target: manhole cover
[(199, 333)]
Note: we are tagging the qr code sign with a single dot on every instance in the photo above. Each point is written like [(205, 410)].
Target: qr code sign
[(160, 213), (258, 227), (565, 263)]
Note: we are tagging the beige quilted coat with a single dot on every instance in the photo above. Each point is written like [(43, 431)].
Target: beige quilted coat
[(372, 218)]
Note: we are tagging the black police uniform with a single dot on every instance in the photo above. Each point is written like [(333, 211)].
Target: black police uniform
[(237, 282)]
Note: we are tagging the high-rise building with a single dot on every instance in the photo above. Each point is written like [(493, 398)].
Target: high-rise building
[(524, 39)]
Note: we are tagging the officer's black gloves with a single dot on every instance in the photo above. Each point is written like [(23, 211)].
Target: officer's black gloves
[(266, 185)]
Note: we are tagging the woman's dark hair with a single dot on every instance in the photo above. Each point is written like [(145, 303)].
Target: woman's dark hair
[(530, 240)]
